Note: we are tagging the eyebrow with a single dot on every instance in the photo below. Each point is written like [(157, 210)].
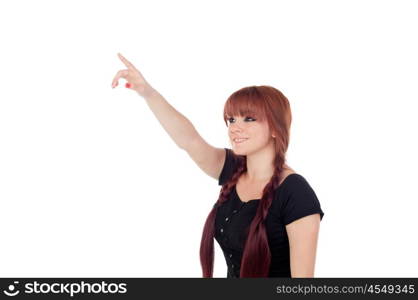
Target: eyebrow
[(247, 115)]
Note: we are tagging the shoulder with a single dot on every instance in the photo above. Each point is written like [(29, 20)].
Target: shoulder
[(296, 198), (293, 179), (295, 185), (229, 167)]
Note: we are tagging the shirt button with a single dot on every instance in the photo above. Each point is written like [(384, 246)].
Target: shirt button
[(222, 230), (230, 255), (226, 219), (234, 211), (232, 266)]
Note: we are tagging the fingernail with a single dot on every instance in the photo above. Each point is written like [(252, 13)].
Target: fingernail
[(128, 85)]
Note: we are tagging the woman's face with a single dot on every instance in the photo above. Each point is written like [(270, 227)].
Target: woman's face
[(256, 134)]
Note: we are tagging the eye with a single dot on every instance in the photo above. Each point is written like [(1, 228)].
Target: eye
[(246, 118)]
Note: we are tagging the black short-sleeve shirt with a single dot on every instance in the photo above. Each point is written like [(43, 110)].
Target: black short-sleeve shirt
[(293, 199)]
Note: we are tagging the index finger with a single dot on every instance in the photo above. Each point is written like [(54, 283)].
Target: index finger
[(125, 61)]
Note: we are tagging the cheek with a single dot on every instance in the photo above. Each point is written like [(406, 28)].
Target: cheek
[(261, 132), (259, 136)]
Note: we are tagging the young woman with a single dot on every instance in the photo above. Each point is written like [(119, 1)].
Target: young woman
[(267, 217)]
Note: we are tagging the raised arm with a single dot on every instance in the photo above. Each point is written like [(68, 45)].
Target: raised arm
[(178, 127)]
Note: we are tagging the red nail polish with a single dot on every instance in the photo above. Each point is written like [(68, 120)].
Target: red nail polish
[(128, 85)]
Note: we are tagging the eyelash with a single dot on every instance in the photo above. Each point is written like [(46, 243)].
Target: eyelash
[(229, 120)]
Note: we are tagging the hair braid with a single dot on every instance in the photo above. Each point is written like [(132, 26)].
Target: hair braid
[(259, 265), (207, 241)]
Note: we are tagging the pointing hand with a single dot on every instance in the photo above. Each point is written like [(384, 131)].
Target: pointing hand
[(134, 78)]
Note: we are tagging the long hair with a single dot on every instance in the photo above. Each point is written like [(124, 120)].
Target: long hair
[(264, 103)]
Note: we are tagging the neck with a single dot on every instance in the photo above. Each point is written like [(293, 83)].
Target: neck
[(260, 165)]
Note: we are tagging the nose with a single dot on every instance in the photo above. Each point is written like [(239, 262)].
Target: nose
[(235, 129)]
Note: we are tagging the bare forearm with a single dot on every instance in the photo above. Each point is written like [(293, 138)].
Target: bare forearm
[(178, 127)]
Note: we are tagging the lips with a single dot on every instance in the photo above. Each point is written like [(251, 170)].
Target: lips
[(239, 140)]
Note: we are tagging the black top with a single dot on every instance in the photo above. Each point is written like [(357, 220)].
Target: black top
[(293, 199)]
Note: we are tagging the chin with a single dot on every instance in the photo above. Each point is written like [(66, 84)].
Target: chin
[(239, 151)]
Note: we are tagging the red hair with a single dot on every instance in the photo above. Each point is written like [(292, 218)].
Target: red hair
[(262, 103)]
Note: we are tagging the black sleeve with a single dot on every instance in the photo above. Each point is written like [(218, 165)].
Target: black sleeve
[(300, 200), (229, 167)]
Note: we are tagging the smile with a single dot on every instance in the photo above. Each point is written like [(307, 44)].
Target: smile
[(238, 141)]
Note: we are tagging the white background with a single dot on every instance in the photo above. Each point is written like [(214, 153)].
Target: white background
[(92, 185)]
